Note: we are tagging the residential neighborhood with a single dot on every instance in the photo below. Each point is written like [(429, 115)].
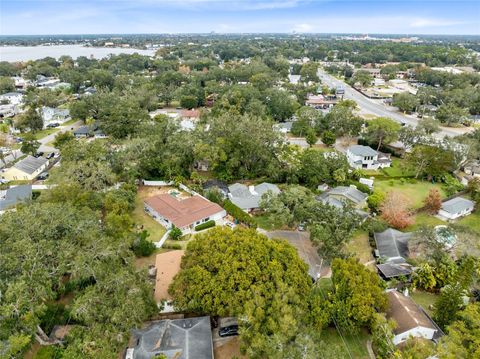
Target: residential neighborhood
[(241, 193)]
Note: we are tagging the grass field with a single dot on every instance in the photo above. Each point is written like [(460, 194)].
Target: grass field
[(472, 221), (424, 299), (414, 190), (398, 169), (266, 222), (140, 218), (44, 133), (351, 345), (424, 219), (360, 247)]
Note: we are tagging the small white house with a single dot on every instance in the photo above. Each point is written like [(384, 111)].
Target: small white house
[(456, 208), (13, 98), (412, 321), (364, 157), (54, 115)]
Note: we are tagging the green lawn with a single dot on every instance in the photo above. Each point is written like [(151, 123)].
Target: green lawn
[(424, 299), (398, 169), (360, 247), (140, 218), (472, 221), (266, 222), (356, 344), (415, 190), (44, 133), (424, 219)]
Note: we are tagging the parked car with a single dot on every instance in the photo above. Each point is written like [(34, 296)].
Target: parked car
[(228, 331), (50, 155), (53, 125), (42, 176), (38, 154)]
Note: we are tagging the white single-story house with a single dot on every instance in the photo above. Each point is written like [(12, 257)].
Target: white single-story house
[(364, 157), (412, 321), (25, 170), (185, 213), (456, 208), (13, 98), (54, 115)]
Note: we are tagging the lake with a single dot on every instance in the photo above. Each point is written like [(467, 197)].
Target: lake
[(26, 53)]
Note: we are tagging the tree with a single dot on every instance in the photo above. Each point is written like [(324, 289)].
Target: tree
[(433, 201), (188, 102), (280, 104), (448, 305), (62, 138), (175, 233), (357, 295), (395, 210), (463, 335), (311, 137), (309, 72), (405, 102), (423, 277), (363, 78), (242, 273), (382, 130), (31, 119), (30, 144), (328, 138), (142, 247), (429, 125), (6, 84), (375, 200), (450, 114), (430, 161), (382, 337)]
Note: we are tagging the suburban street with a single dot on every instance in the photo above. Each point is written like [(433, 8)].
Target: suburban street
[(43, 144), (377, 108)]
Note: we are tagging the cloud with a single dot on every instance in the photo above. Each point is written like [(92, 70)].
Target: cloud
[(427, 22)]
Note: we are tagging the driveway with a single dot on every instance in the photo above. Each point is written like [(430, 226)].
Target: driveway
[(377, 108), (306, 251)]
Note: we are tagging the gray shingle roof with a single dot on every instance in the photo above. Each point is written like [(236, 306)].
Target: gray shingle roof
[(359, 150), (241, 196), (177, 339), (30, 164), (13, 195), (392, 243), (457, 205), (349, 193), (392, 270)]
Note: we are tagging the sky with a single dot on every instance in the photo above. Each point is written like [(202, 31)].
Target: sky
[(40, 17)]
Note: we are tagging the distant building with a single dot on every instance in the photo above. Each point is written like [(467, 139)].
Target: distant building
[(294, 79), (12, 196), (456, 208), (54, 115), (364, 157), (182, 213), (412, 320), (25, 170), (248, 198), (189, 338), (12, 98)]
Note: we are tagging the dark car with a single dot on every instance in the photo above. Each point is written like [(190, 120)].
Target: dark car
[(50, 155), (42, 176), (53, 125), (38, 154), (228, 331)]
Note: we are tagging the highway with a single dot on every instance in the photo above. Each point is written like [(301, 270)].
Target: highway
[(377, 108)]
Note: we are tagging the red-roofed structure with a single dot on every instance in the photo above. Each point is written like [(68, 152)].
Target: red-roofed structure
[(183, 213)]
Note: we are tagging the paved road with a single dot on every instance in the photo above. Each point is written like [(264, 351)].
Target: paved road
[(377, 108), (43, 143)]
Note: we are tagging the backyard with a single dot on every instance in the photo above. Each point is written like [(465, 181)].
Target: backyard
[(360, 248), (424, 299), (348, 346)]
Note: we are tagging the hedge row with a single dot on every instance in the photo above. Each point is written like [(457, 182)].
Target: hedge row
[(205, 225), (237, 213)]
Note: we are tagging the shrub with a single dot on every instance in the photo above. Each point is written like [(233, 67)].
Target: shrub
[(451, 185), (142, 247), (172, 246), (205, 225), (375, 200), (238, 214), (214, 195), (53, 315), (175, 233), (360, 186)]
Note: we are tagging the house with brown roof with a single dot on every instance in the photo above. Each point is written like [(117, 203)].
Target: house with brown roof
[(183, 213), (167, 265), (411, 319)]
